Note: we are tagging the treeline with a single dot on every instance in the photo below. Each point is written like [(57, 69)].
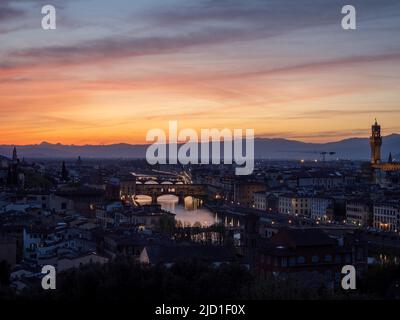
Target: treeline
[(124, 280)]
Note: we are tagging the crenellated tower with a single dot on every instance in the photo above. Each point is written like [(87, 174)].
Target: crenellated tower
[(376, 143)]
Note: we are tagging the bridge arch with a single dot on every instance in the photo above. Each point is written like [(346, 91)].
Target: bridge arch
[(143, 199), (179, 190), (151, 182)]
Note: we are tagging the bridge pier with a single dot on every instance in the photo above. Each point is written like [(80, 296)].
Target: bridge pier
[(154, 197), (181, 198)]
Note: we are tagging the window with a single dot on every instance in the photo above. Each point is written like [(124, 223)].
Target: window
[(328, 275), (315, 259), (301, 260), (338, 277), (338, 258), (328, 258)]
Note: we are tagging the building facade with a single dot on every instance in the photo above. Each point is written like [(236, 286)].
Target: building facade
[(319, 208), (387, 216), (244, 192), (293, 204), (309, 252), (359, 212)]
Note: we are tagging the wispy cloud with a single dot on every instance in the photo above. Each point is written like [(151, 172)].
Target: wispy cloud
[(9, 13), (280, 66)]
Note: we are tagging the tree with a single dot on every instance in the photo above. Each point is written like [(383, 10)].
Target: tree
[(197, 224), (9, 176), (166, 224), (123, 279), (4, 273)]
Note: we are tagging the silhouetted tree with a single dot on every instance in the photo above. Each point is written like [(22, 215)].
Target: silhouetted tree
[(166, 224), (4, 273), (126, 280), (194, 280), (9, 176)]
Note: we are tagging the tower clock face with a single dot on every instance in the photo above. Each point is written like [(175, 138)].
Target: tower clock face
[(186, 152)]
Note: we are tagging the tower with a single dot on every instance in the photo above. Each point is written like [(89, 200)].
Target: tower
[(13, 170), (79, 162), (14, 156), (376, 142), (64, 172)]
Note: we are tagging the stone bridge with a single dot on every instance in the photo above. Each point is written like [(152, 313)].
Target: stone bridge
[(179, 190)]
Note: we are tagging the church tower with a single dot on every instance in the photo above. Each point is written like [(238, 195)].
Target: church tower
[(376, 143), (390, 159), (14, 156)]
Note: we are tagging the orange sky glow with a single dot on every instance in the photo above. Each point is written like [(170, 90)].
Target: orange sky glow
[(311, 83)]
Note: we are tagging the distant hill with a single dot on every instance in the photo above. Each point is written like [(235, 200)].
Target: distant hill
[(353, 148), (48, 150)]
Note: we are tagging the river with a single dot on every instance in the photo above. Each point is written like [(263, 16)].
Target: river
[(190, 213)]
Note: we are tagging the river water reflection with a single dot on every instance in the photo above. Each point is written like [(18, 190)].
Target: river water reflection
[(189, 213)]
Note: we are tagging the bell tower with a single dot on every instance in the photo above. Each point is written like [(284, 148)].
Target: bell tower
[(376, 142), (14, 156)]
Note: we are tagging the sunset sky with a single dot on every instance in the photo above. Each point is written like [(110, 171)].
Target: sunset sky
[(115, 69)]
